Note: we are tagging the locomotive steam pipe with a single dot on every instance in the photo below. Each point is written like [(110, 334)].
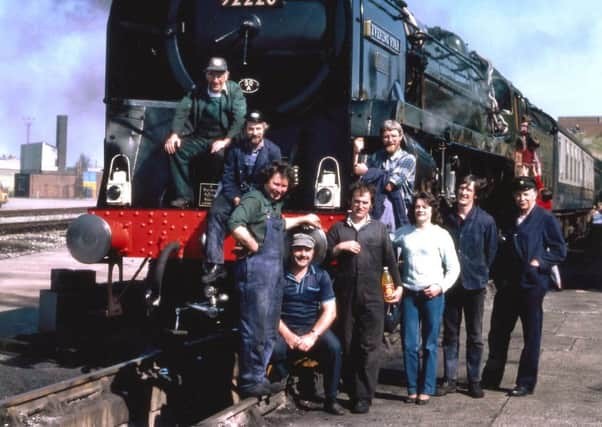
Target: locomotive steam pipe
[(153, 296)]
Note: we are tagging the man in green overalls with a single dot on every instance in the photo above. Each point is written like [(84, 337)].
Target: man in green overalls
[(205, 120)]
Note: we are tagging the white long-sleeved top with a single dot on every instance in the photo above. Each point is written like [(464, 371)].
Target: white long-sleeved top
[(429, 257)]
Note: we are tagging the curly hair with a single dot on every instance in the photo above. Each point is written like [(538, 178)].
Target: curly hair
[(278, 167)]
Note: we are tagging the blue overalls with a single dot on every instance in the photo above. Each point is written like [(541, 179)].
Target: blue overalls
[(259, 281)]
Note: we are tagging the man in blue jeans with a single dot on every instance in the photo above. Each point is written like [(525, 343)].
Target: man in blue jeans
[(308, 310), (244, 162), (475, 237)]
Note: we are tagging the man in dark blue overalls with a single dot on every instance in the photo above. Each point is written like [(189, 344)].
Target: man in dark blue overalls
[(244, 162), (258, 226)]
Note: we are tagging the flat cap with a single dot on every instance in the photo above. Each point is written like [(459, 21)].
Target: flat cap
[(217, 64), (523, 183), (304, 240)]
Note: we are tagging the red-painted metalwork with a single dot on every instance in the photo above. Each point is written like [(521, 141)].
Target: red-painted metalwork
[(140, 233)]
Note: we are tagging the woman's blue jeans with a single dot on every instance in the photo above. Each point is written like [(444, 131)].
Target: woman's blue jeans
[(421, 319)]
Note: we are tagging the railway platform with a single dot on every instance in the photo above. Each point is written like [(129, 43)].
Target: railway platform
[(569, 391)]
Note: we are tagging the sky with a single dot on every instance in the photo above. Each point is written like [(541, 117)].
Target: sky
[(52, 60)]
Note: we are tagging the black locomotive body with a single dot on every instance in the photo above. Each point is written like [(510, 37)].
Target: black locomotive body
[(323, 72)]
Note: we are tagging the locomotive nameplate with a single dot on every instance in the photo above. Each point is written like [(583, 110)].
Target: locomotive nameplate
[(251, 3), (382, 37), (207, 191)]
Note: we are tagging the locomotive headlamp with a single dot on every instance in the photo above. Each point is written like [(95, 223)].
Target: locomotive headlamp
[(324, 196), (328, 185), (119, 186)]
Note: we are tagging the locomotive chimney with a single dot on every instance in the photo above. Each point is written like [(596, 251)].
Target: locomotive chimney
[(61, 141)]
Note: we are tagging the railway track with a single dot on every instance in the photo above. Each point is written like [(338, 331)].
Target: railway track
[(18, 221), (83, 400), (127, 393)]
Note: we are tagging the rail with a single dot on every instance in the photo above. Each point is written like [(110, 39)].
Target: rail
[(18, 221)]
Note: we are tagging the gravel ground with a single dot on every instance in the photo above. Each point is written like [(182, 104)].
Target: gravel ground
[(13, 245)]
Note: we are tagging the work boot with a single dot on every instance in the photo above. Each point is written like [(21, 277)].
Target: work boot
[(257, 390), (475, 391), (214, 272), (446, 387), (332, 407), (180, 203), (362, 406)]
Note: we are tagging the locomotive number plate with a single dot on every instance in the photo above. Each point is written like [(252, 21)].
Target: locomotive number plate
[(252, 3)]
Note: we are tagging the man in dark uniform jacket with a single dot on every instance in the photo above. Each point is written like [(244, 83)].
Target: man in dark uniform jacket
[(245, 160), (531, 243), (475, 236), (362, 248), (205, 120)]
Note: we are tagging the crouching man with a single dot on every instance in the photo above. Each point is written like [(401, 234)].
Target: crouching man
[(308, 310)]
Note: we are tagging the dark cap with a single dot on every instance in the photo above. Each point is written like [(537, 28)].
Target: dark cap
[(217, 64), (303, 240), (255, 116), (523, 183)]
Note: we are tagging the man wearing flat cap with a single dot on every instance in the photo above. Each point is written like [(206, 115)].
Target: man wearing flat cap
[(531, 243), (308, 310), (245, 159), (206, 120)]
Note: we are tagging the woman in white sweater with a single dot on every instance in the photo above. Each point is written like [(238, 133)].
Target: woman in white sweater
[(430, 268)]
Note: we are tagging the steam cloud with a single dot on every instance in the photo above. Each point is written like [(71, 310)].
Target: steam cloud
[(53, 60)]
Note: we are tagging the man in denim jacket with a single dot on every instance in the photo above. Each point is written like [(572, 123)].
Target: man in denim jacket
[(475, 237), (531, 243)]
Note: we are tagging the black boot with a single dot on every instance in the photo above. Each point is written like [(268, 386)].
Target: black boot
[(214, 272)]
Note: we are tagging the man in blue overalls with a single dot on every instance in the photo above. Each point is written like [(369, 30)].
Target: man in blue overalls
[(258, 226), (244, 162)]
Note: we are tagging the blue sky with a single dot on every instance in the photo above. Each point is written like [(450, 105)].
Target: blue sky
[(52, 57), (551, 50)]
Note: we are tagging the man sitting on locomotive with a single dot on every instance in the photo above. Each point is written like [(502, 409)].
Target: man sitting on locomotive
[(205, 120), (258, 226), (245, 160), (308, 310), (391, 170)]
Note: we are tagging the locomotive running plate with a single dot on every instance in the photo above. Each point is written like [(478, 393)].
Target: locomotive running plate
[(252, 3)]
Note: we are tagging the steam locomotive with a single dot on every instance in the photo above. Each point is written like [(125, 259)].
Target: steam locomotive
[(323, 72)]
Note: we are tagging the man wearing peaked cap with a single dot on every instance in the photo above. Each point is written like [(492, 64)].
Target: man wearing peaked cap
[(245, 160), (531, 243), (308, 310), (205, 122), (523, 183)]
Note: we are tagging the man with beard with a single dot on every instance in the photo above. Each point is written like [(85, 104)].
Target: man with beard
[(391, 170), (258, 226), (308, 310), (244, 162)]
